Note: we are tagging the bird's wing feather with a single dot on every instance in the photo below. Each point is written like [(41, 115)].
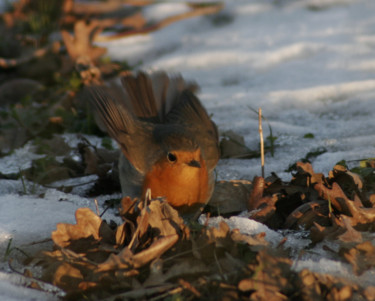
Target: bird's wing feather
[(152, 96), (133, 136)]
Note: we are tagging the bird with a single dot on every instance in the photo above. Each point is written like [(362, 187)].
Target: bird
[(169, 144)]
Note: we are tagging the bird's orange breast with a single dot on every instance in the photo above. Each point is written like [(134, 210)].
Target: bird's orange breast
[(184, 186)]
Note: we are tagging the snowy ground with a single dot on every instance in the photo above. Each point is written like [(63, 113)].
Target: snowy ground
[(309, 65)]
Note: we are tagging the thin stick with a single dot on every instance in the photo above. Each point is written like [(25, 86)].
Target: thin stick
[(142, 215), (261, 140), (97, 207), (199, 11)]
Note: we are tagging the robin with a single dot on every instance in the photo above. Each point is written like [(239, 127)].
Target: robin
[(169, 143)]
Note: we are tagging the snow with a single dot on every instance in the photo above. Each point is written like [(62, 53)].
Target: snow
[(310, 71), (20, 159), (246, 226), (156, 13), (308, 64)]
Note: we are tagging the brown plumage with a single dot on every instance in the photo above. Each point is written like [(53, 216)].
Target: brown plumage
[(169, 143)]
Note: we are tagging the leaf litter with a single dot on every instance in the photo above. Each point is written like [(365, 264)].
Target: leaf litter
[(156, 254)]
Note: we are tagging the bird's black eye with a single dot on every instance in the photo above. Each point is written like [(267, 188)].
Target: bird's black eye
[(171, 157)]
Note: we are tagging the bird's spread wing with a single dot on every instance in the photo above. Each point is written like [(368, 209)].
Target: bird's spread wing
[(152, 96), (152, 102), (133, 136)]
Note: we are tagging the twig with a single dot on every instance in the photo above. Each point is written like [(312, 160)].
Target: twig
[(97, 207), (104, 211), (142, 215), (270, 137), (23, 181), (261, 141), (168, 293), (10, 249), (145, 292), (330, 210), (165, 22), (183, 253), (72, 257), (39, 242), (218, 263), (147, 196), (27, 281), (69, 186), (9, 63)]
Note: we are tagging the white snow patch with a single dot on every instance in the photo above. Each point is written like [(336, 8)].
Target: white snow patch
[(160, 11), (20, 159)]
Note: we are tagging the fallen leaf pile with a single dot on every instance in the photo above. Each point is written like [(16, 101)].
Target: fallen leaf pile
[(154, 254), (340, 201)]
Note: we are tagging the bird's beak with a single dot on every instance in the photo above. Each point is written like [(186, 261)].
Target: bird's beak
[(194, 163)]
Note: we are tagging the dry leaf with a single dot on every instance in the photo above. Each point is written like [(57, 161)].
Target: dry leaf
[(350, 235), (88, 225), (165, 218), (361, 256), (256, 194), (306, 175), (307, 214), (332, 195), (257, 240), (266, 209), (369, 293), (156, 249), (80, 45), (269, 279), (67, 276)]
